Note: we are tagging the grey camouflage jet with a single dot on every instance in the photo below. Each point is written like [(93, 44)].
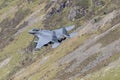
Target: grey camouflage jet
[(53, 37)]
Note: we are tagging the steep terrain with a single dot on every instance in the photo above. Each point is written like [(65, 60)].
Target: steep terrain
[(94, 54)]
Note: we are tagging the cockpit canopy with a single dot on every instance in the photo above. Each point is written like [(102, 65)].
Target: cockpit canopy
[(33, 31), (36, 29)]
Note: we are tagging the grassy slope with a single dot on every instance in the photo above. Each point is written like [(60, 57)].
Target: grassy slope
[(110, 72), (15, 49)]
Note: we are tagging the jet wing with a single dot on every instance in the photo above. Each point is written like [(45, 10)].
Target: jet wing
[(41, 42), (69, 28), (62, 30), (58, 30), (55, 45), (73, 34)]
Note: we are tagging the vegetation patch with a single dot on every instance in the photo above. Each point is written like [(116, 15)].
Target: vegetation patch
[(8, 26), (109, 74), (111, 37), (66, 75)]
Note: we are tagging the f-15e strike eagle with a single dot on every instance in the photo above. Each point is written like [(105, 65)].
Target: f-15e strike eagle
[(53, 37)]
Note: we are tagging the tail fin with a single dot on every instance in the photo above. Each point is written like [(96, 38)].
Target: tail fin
[(70, 28), (65, 32), (73, 34)]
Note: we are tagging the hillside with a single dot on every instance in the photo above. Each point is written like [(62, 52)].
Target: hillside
[(94, 54)]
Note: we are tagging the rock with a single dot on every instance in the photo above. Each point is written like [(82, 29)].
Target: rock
[(77, 12), (69, 3), (57, 9), (73, 13), (99, 3), (30, 1)]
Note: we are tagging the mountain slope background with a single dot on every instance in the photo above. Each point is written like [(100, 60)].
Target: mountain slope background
[(92, 55)]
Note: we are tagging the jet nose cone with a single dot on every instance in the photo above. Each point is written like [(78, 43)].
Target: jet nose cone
[(33, 31)]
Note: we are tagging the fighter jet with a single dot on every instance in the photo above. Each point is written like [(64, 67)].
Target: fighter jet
[(53, 37)]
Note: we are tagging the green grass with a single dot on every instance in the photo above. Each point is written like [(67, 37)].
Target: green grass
[(108, 73), (100, 73), (6, 8), (111, 37), (49, 66), (16, 48)]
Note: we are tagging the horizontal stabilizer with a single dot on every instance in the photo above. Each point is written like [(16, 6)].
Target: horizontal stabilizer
[(70, 27), (35, 41), (55, 45), (73, 34)]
